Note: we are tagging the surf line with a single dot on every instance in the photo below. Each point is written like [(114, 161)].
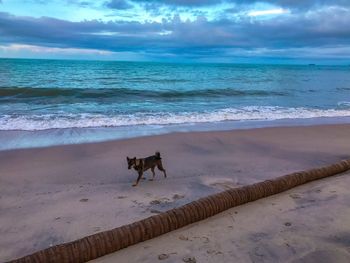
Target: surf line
[(106, 242)]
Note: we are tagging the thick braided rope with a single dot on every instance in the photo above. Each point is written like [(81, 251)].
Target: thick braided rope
[(103, 243)]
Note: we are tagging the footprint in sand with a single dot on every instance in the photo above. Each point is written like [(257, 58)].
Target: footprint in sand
[(177, 196), (84, 200), (204, 239), (212, 251), (182, 237), (159, 201), (189, 259), (163, 256), (295, 196), (154, 211)]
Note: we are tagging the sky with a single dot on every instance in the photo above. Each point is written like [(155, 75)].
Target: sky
[(227, 31)]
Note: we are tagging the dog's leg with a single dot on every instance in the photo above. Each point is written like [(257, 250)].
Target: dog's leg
[(160, 167), (153, 173), (138, 178)]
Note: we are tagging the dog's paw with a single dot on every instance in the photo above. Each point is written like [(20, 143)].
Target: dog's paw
[(151, 179), (134, 185)]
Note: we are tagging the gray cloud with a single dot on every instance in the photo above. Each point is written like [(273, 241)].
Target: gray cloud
[(189, 3), (293, 4), (118, 4), (323, 29), (303, 4)]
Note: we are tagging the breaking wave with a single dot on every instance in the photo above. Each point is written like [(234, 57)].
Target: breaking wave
[(84, 120)]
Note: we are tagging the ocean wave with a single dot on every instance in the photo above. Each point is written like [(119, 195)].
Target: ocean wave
[(13, 93), (49, 121), (344, 104)]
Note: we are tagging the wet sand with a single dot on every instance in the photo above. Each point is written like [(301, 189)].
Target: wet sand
[(58, 194)]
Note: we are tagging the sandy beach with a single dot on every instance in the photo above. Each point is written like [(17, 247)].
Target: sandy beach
[(61, 193), (309, 224)]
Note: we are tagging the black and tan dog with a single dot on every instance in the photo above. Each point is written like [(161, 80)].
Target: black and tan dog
[(143, 164)]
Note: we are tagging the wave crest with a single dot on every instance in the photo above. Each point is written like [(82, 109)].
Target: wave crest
[(110, 93), (49, 121)]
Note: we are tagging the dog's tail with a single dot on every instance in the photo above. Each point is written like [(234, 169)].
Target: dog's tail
[(157, 155)]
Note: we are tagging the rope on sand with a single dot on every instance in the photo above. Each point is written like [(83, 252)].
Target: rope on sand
[(103, 243)]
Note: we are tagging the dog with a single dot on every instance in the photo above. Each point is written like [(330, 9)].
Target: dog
[(143, 164)]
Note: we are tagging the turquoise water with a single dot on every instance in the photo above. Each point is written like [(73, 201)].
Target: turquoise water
[(45, 94)]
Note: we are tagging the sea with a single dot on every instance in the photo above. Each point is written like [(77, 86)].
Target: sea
[(50, 102)]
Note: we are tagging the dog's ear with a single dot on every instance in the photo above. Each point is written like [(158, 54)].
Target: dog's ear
[(134, 158), (127, 158)]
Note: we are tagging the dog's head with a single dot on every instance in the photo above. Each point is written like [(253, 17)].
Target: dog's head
[(131, 162)]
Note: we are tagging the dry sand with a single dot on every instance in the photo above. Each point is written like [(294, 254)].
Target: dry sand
[(309, 224), (58, 194)]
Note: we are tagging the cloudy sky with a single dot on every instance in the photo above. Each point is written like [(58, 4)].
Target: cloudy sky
[(272, 31)]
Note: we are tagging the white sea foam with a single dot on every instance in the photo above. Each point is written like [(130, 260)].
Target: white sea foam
[(49, 121)]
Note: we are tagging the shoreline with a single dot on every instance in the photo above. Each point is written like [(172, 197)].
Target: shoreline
[(61, 193), (22, 139)]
